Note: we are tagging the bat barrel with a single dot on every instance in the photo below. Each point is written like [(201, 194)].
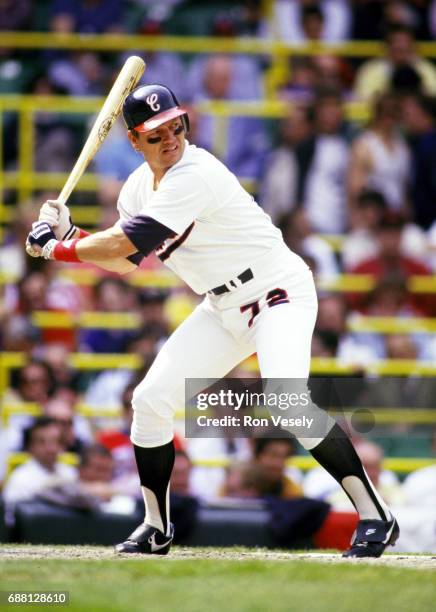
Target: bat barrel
[(127, 79)]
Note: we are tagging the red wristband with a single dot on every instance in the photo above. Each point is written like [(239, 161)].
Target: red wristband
[(83, 233), (66, 251)]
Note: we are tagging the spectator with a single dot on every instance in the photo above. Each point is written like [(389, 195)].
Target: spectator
[(312, 22), (207, 482), (361, 242), (278, 192), (57, 357), (418, 517), (111, 294), (162, 67), (380, 159), (43, 470), (94, 488), (293, 20), (55, 133), (332, 325), (299, 237), (80, 73), (242, 480), (390, 298), (318, 484), (419, 116), (75, 431), (333, 72), (96, 471), (152, 310), (374, 76), (34, 383), (87, 16), (303, 80), (181, 474), (390, 260), (243, 145), (323, 162), (401, 346), (117, 441), (12, 255), (271, 455), (107, 388), (20, 331)]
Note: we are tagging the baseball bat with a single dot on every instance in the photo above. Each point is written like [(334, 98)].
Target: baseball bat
[(128, 77)]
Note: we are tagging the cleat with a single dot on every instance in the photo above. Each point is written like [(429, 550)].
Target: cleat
[(372, 537), (147, 540)]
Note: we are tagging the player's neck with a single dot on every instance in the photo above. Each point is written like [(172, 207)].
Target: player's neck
[(158, 174)]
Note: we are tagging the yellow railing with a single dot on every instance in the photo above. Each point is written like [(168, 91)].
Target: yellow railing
[(347, 283), (195, 44), (373, 415), (123, 320), (401, 465), (131, 361), (26, 180)]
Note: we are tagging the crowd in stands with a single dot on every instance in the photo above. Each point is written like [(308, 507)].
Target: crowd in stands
[(316, 172)]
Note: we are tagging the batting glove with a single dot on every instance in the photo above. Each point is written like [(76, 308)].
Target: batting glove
[(41, 240), (57, 215)]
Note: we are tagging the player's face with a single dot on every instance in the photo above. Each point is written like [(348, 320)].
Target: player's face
[(162, 147)]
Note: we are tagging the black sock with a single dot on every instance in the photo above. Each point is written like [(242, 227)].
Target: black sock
[(154, 467), (337, 455)]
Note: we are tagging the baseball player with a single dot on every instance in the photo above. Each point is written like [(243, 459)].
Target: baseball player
[(259, 296)]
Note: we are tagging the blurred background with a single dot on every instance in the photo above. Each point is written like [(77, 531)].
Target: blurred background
[(326, 111)]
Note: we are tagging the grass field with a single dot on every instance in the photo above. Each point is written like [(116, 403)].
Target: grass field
[(210, 580)]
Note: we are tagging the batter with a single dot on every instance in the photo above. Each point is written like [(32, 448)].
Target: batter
[(259, 296)]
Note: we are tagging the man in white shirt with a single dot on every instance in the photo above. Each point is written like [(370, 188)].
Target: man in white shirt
[(42, 441), (259, 297)]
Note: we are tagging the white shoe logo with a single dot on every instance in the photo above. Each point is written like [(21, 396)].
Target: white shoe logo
[(152, 101), (369, 531), (153, 545)]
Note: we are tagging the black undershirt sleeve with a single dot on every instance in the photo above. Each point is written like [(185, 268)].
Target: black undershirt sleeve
[(146, 234), (136, 258)]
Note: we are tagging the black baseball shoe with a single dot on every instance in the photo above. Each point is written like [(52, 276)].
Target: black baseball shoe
[(147, 540), (372, 537)]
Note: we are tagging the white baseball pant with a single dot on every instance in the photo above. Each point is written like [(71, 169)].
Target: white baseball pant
[(277, 318)]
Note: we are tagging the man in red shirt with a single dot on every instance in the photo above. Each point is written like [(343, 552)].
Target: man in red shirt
[(390, 261)]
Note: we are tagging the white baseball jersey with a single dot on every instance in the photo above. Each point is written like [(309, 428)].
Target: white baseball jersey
[(220, 229)]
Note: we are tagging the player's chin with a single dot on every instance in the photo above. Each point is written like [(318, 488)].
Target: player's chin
[(172, 155)]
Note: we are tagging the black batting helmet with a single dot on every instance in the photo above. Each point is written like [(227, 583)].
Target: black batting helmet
[(148, 106)]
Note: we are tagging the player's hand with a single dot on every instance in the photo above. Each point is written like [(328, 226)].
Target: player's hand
[(41, 240), (57, 215)]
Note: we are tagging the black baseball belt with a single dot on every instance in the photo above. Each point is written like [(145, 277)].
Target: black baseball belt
[(243, 278)]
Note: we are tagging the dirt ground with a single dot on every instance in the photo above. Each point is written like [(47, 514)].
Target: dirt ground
[(99, 552)]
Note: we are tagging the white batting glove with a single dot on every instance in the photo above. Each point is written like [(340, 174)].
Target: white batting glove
[(57, 215)]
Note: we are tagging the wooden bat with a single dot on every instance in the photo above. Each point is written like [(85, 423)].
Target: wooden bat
[(129, 76)]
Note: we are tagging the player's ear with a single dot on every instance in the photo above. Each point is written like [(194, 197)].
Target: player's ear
[(133, 137)]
